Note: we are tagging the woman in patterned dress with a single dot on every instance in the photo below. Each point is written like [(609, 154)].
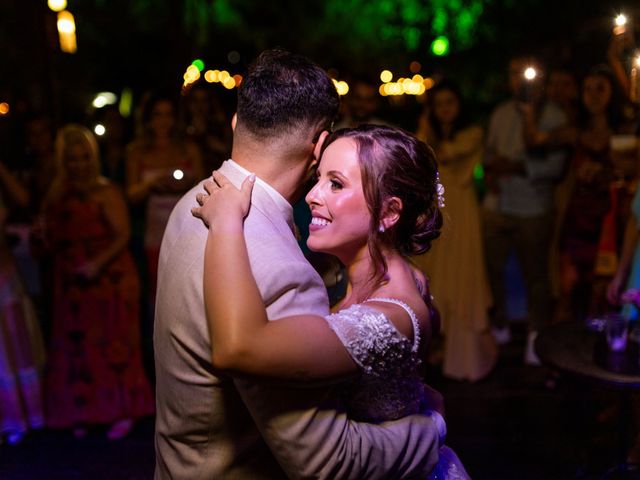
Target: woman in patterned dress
[(95, 371)]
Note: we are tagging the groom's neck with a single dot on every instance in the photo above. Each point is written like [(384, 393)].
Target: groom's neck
[(282, 172)]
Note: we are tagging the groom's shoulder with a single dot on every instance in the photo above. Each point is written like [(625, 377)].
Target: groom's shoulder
[(181, 216)]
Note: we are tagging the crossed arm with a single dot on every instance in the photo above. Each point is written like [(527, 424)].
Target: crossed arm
[(242, 337)]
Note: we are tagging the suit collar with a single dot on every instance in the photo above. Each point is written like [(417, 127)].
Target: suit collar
[(264, 196)]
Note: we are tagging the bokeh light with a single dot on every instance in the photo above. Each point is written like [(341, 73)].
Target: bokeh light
[(415, 66), (67, 32), (4, 108), (104, 98), (530, 73), (126, 102), (199, 64), (233, 56), (621, 20), (386, 76), (440, 46), (57, 5), (341, 86), (99, 129)]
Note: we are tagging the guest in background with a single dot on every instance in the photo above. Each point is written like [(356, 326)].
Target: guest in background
[(112, 144), (563, 90), (21, 349), (456, 265), (207, 125), (519, 205), (596, 195), (95, 373), (160, 168), (361, 105)]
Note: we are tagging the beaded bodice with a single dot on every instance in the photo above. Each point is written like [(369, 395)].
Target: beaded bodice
[(389, 386)]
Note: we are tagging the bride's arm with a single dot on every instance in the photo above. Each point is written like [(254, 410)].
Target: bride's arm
[(242, 338)]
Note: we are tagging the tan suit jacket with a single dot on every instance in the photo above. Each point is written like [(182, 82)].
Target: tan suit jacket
[(210, 426)]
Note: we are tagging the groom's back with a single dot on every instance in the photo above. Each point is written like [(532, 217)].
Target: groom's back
[(203, 430)]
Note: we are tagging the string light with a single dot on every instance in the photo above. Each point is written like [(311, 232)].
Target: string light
[(57, 5), (386, 76), (67, 32)]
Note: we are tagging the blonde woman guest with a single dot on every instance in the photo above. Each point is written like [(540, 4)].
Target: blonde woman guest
[(95, 371)]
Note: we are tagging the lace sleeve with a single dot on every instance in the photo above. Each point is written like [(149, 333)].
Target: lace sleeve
[(371, 339)]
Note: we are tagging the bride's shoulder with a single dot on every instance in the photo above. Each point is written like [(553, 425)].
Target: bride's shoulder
[(402, 312)]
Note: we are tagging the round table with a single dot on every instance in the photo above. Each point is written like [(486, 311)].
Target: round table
[(574, 349)]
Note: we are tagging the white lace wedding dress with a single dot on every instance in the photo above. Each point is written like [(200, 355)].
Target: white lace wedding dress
[(390, 386)]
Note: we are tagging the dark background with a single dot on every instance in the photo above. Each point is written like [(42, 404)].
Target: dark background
[(143, 44)]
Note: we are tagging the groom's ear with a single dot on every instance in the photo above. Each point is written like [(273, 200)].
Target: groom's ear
[(318, 148), (234, 121)]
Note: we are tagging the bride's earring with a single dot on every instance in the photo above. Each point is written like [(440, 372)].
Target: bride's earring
[(381, 228)]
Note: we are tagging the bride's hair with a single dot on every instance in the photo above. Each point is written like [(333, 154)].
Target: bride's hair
[(394, 163)]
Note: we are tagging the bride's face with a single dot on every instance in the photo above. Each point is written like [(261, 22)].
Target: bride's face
[(340, 217)]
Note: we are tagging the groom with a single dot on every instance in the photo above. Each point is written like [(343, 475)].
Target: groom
[(213, 426)]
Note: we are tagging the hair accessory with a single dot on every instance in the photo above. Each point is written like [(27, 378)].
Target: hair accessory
[(381, 228), (440, 191)]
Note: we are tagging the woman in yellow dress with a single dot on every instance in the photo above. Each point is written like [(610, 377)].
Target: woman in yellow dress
[(456, 266)]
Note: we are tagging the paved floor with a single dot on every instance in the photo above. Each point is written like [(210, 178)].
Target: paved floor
[(509, 426)]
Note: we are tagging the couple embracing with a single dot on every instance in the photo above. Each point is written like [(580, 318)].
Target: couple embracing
[(256, 378)]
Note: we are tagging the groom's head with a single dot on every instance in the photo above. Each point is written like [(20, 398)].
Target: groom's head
[(285, 99)]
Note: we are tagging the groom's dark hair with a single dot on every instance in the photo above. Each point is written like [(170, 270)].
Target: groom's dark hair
[(283, 93)]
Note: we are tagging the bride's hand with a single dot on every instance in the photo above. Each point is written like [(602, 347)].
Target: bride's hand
[(223, 201)]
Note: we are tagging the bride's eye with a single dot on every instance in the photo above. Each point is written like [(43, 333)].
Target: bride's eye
[(336, 185)]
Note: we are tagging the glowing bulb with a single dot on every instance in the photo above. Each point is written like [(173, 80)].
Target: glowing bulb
[(57, 5), (66, 22), (199, 64), (211, 76), (343, 87), (223, 75), (229, 83), (237, 78), (418, 78), (383, 90), (440, 46), (178, 174), (621, 20), (386, 76), (530, 73), (4, 108), (99, 129), (104, 98)]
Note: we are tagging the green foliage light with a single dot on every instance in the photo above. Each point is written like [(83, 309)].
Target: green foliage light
[(440, 46), (199, 64)]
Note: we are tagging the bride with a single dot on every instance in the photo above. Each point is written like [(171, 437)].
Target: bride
[(376, 202)]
